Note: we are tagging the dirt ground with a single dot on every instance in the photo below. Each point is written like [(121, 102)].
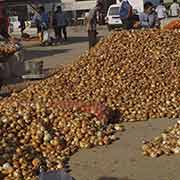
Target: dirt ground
[(123, 160), (64, 53)]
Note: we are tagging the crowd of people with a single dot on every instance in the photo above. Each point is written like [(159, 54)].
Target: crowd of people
[(59, 23), (152, 17)]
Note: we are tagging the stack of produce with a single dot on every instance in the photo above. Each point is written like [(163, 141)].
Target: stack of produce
[(7, 48), (175, 24), (99, 110), (136, 73), (133, 74), (34, 135), (167, 143)]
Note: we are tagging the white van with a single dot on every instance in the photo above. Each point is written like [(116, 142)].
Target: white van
[(113, 19)]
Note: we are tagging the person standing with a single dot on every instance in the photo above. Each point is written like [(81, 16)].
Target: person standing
[(61, 21), (36, 21), (42, 21), (147, 19), (175, 9), (54, 24), (22, 24), (161, 12), (92, 23), (126, 13)]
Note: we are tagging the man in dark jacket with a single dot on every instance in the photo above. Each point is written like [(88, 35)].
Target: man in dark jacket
[(61, 22), (92, 23), (126, 14), (22, 24)]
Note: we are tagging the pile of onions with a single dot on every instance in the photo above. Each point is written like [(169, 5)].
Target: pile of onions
[(7, 48), (99, 110), (175, 24), (135, 74), (34, 135), (167, 143)]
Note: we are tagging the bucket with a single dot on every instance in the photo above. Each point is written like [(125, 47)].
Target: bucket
[(34, 67)]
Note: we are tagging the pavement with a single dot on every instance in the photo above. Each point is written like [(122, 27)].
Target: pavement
[(122, 160), (63, 53)]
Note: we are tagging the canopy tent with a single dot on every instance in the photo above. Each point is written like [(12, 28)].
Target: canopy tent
[(29, 1), (32, 3)]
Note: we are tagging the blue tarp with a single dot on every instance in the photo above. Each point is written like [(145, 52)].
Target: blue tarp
[(55, 175)]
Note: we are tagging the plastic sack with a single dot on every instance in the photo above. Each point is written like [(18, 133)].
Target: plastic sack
[(45, 36), (175, 24), (55, 175)]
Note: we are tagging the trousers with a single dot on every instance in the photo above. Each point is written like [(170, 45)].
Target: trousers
[(92, 37), (60, 30)]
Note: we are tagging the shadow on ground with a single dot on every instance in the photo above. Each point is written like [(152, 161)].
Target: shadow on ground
[(76, 39), (17, 84), (70, 40), (40, 52), (33, 54), (114, 178), (79, 39), (13, 85)]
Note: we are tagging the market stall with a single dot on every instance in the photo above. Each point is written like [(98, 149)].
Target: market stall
[(11, 59), (11, 53)]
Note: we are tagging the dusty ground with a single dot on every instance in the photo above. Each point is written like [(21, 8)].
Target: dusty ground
[(64, 53), (61, 54), (123, 160)]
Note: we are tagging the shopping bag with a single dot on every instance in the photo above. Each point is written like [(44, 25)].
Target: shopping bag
[(45, 36)]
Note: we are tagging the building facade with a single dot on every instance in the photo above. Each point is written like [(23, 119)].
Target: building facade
[(78, 5), (77, 8)]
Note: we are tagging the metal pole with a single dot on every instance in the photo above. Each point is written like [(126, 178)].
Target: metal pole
[(30, 4)]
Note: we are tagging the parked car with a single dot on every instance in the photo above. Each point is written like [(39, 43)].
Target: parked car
[(113, 19)]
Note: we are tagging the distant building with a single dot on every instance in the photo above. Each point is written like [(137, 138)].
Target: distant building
[(73, 8), (79, 7)]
